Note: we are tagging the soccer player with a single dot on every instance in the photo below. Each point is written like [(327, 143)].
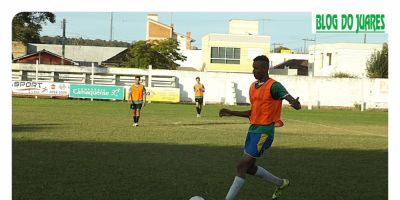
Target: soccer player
[(199, 89), (137, 99), (266, 97)]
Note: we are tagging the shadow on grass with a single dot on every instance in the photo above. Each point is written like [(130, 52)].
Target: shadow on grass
[(98, 170), (34, 127), (209, 123)]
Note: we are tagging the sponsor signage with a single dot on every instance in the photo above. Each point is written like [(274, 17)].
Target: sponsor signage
[(32, 88), (96, 91)]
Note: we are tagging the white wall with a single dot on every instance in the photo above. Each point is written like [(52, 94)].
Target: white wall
[(349, 58), (323, 91), (193, 59)]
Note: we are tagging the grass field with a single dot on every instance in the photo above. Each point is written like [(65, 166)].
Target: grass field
[(72, 149)]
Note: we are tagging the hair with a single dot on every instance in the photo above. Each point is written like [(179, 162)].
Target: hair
[(137, 77), (197, 78), (263, 59)]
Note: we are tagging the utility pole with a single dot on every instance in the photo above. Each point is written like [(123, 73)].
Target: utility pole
[(305, 43), (274, 44), (111, 27), (63, 41)]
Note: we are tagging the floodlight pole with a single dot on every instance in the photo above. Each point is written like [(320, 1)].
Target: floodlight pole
[(37, 71), (92, 81), (149, 82), (362, 93)]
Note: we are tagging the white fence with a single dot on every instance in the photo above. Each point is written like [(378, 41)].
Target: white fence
[(221, 87)]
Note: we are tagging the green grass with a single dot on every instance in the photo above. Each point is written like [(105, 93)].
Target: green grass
[(72, 149)]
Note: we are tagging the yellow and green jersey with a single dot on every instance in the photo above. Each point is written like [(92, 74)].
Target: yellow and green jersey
[(199, 90)]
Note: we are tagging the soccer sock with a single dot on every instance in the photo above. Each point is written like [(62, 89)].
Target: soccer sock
[(198, 110), (266, 175), (137, 119), (234, 190)]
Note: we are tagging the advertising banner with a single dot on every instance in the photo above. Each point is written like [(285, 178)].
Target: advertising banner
[(163, 94), (159, 94), (32, 88), (96, 91)]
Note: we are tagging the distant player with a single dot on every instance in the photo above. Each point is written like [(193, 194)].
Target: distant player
[(199, 89), (266, 97), (137, 99)]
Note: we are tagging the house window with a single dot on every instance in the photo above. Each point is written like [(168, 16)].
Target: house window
[(225, 55), (329, 58)]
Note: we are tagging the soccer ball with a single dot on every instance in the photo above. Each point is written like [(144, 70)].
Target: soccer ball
[(197, 198)]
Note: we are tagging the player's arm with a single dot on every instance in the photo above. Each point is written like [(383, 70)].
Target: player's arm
[(144, 96), (295, 103), (226, 112), (279, 92), (129, 96)]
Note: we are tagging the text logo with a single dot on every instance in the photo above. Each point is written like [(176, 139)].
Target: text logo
[(348, 23)]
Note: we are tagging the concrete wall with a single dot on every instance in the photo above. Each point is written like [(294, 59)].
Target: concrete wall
[(234, 87)]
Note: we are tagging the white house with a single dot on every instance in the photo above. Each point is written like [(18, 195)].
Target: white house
[(350, 58)]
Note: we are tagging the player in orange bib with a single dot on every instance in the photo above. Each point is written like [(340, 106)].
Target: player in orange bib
[(199, 90), (266, 97), (137, 99)]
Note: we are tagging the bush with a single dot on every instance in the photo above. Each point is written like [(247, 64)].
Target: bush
[(343, 75), (377, 65)]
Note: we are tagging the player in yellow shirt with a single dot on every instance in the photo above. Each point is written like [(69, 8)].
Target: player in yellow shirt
[(137, 99), (199, 89)]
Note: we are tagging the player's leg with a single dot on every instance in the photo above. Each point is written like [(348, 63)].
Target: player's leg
[(264, 142), (135, 117), (244, 164), (200, 105), (132, 107), (197, 107), (138, 114)]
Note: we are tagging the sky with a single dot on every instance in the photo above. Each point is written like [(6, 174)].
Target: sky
[(288, 28)]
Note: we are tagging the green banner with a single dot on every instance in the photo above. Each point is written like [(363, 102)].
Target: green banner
[(96, 91)]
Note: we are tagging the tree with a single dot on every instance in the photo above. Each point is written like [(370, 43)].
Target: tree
[(160, 54), (169, 49), (83, 42), (140, 55), (377, 65), (26, 26)]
